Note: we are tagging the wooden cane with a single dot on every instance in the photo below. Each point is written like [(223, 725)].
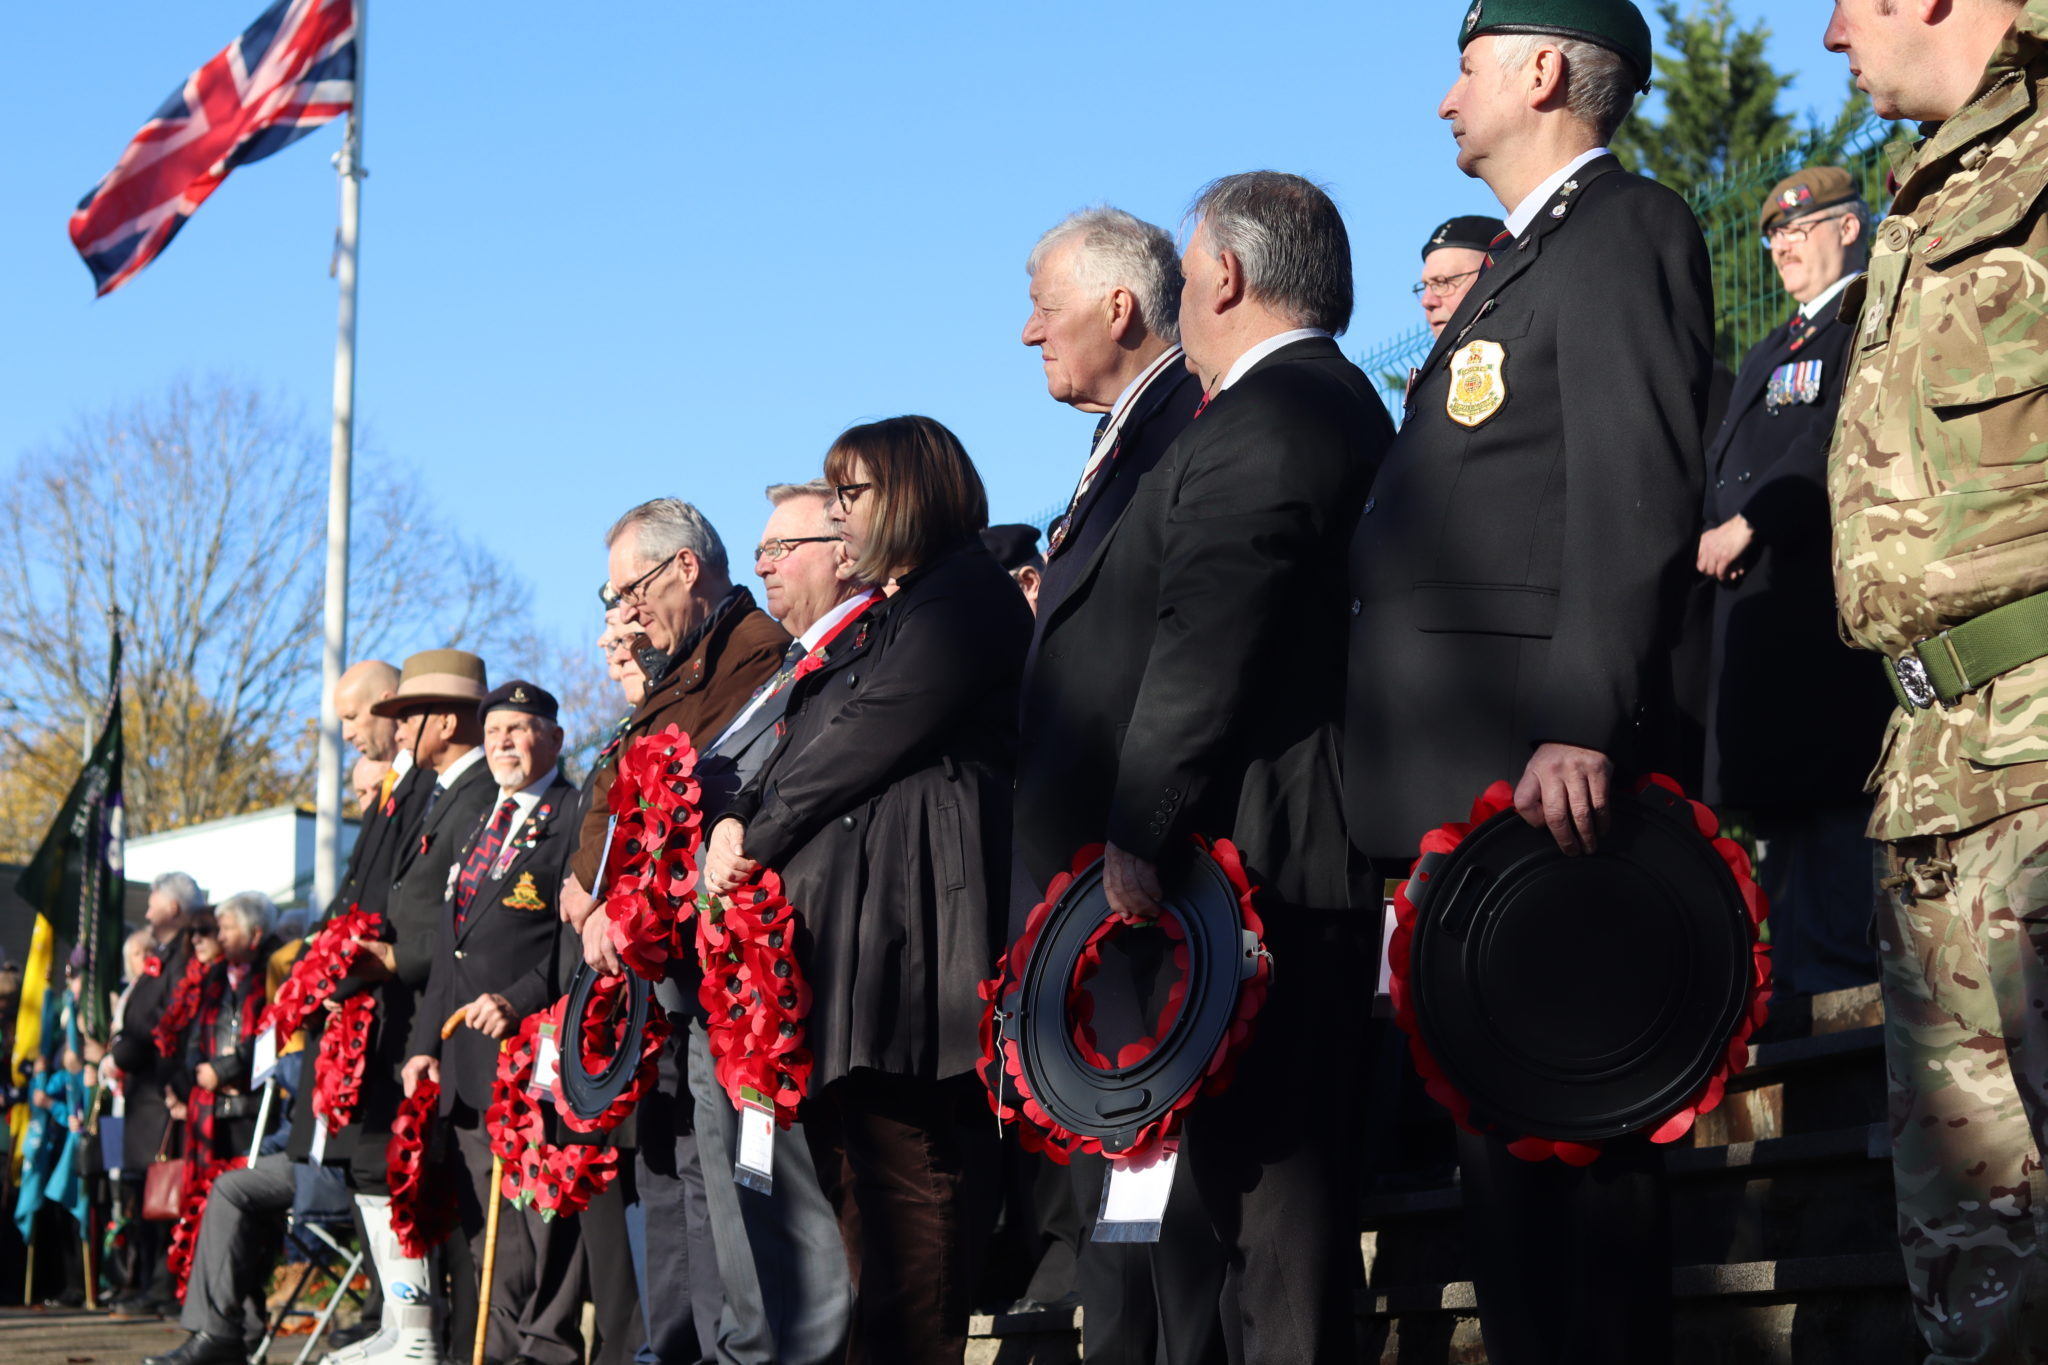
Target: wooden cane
[(497, 1198)]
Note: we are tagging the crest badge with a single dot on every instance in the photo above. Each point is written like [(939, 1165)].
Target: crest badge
[(525, 896), (1478, 384), (1472, 17)]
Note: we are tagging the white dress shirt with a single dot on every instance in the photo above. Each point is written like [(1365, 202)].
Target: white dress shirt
[(1828, 295), (1526, 211), (1262, 350), (443, 781)]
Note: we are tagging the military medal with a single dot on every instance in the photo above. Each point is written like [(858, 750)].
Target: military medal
[(1477, 385), (525, 895), (1799, 382), (528, 836)]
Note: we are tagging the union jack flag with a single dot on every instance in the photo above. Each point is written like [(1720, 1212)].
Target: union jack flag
[(290, 71)]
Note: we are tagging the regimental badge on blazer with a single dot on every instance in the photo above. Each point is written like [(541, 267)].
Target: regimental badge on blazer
[(1798, 382), (1478, 385), (525, 895)]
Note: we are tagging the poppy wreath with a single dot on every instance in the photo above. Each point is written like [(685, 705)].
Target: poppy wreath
[(423, 1212), (655, 841), (319, 971), (1675, 1125), (338, 1067), (185, 1233), (604, 1030), (553, 1180), (1002, 1067), (755, 997), (182, 1009)]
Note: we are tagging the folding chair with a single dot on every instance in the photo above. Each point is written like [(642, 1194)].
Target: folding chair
[(321, 1208)]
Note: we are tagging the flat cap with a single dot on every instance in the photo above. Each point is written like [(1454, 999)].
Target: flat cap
[(1474, 232), (1808, 191), (520, 695), (437, 678), (1014, 545), (1614, 24)]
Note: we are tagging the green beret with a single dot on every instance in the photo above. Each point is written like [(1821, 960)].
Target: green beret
[(1614, 24)]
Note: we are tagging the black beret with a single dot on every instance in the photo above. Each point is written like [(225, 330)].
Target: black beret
[(1615, 25), (1013, 545), (519, 695), (1474, 231)]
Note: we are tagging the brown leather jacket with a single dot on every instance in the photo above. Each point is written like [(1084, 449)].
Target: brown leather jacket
[(701, 693)]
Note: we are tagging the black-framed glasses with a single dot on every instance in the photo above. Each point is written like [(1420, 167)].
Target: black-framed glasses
[(849, 494), (1442, 284), (1792, 234), (772, 550), (630, 594)]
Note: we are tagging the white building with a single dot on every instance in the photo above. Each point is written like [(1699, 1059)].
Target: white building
[(267, 850)]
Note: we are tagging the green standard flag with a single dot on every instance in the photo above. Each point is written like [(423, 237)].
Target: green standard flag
[(74, 882)]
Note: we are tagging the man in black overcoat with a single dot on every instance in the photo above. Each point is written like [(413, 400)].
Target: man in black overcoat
[(497, 945), (1796, 772), (1187, 679), (1105, 320), (1519, 576)]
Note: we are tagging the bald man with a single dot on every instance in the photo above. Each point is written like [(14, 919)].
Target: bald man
[(361, 686)]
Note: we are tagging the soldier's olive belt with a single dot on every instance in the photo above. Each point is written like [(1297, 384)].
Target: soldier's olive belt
[(1944, 668)]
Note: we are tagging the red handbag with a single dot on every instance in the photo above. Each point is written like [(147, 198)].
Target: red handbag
[(163, 1183)]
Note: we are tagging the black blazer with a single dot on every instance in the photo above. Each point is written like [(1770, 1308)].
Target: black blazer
[(366, 885), (507, 945), (1188, 675), (1777, 622), (886, 808), (1520, 580)]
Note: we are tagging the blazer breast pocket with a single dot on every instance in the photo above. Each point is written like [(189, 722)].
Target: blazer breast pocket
[(1484, 609)]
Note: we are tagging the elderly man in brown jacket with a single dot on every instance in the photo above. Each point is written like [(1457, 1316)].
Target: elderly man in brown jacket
[(668, 570)]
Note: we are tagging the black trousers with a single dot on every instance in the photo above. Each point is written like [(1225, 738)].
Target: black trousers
[(1572, 1266), (1260, 1246)]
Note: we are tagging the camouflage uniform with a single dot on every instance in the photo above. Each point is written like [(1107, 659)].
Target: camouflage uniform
[(1939, 486)]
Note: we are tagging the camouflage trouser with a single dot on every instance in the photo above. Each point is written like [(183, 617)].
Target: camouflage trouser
[(1964, 942)]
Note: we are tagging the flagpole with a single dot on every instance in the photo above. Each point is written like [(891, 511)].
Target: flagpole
[(327, 825)]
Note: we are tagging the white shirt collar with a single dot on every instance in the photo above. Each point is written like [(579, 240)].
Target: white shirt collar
[(1526, 211), (527, 797), (832, 618), (460, 766), (402, 763), (1828, 295), (1265, 348)]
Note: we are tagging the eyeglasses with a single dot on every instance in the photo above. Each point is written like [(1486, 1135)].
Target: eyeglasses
[(1442, 284), (1792, 234), (630, 594), (849, 494), (772, 550)]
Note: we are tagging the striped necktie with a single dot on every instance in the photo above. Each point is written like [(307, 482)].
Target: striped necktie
[(481, 854)]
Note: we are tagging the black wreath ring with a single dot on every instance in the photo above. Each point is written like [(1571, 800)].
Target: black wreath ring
[(588, 1094), (1124, 1111)]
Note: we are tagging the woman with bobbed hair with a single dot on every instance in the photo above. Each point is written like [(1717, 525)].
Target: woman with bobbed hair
[(886, 810)]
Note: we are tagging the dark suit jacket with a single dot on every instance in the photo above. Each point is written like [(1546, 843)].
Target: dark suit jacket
[(1188, 676), (501, 948), (1520, 581), (1777, 623)]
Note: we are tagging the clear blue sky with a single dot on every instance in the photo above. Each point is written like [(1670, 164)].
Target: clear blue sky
[(642, 248)]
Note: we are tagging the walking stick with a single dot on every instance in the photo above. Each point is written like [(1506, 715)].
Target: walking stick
[(497, 1198)]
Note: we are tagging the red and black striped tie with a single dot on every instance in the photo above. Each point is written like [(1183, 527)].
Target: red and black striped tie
[(1496, 244), (481, 855)]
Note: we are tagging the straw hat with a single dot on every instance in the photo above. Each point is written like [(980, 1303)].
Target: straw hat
[(436, 677)]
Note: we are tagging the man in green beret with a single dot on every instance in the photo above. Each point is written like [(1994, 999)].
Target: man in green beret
[(1518, 577), (1938, 484)]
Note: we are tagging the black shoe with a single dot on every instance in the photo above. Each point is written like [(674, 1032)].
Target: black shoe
[(349, 1336), (201, 1349), (1065, 1303), (133, 1308)]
